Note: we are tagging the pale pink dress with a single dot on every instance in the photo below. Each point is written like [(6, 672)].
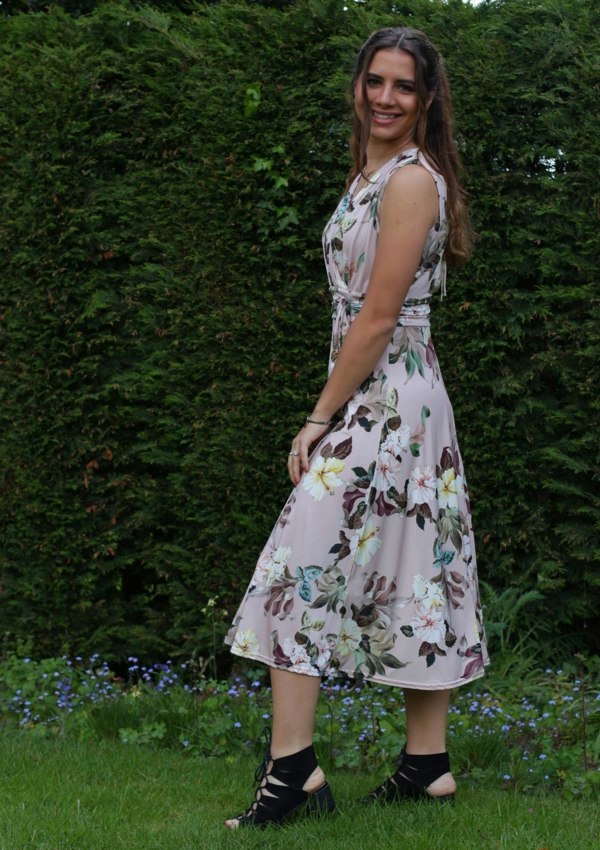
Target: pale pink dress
[(370, 568)]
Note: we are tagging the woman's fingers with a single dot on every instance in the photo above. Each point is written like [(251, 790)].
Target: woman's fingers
[(303, 459), (298, 461), (294, 462)]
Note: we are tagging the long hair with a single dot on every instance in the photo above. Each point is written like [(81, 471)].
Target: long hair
[(434, 130)]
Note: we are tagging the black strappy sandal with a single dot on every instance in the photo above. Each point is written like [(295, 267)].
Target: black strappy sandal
[(414, 774), (279, 801)]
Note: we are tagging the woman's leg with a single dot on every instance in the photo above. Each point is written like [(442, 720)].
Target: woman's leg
[(294, 707), (426, 722)]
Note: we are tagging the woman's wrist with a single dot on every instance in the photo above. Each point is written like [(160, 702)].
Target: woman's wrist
[(312, 420), (320, 417)]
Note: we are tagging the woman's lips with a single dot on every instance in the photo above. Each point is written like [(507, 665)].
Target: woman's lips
[(384, 117)]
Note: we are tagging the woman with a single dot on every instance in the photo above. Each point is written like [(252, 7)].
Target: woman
[(371, 567)]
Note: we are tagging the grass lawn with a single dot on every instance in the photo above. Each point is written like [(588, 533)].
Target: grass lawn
[(62, 795)]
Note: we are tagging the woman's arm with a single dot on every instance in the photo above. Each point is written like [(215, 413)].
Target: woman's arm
[(409, 209)]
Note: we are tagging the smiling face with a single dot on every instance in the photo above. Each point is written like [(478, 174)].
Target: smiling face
[(392, 98)]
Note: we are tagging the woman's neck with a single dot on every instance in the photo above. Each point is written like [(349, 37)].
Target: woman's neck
[(380, 152)]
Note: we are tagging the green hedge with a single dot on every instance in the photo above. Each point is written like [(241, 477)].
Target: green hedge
[(165, 320)]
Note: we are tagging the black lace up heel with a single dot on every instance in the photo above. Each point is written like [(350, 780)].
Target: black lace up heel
[(279, 795), (413, 776)]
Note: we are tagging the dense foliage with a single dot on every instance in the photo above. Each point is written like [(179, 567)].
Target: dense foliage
[(164, 321)]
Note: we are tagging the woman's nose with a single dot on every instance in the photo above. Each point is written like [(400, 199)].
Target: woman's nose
[(386, 95)]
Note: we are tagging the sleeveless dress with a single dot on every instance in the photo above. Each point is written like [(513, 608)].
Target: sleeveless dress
[(370, 569)]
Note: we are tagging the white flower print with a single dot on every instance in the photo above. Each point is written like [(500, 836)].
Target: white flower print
[(466, 546), (339, 258), (428, 593), (428, 624), (246, 642), (386, 471), (271, 565), (324, 653), (397, 441), (422, 484), (449, 488), (349, 637), (323, 477), (298, 656), (364, 543)]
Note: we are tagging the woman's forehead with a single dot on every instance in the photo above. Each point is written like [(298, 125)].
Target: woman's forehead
[(392, 62)]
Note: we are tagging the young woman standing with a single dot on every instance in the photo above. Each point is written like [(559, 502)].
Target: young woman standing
[(371, 566)]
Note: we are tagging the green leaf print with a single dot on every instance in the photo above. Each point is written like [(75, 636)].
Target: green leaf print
[(331, 586), (364, 477), (305, 576), (441, 557), (392, 661), (308, 624), (391, 401)]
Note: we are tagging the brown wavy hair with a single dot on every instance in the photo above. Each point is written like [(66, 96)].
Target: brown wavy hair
[(434, 131)]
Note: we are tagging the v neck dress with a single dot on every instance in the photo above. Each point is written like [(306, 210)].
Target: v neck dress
[(371, 569)]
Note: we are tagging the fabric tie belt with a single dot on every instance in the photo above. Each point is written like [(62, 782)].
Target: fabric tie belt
[(414, 312)]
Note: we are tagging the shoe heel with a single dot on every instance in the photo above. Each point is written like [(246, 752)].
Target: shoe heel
[(321, 802)]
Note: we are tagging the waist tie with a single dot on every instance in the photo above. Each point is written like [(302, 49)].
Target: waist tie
[(414, 313)]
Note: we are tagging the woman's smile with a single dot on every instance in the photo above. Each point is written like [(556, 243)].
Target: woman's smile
[(384, 117)]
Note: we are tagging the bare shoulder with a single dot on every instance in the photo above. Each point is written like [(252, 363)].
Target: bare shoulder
[(411, 191), (412, 180)]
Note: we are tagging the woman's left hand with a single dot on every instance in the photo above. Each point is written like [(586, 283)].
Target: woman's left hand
[(301, 445)]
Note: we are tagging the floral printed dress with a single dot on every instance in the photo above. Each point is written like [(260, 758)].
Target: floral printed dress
[(371, 566)]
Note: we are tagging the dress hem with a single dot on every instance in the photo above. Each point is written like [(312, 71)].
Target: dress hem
[(383, 680)]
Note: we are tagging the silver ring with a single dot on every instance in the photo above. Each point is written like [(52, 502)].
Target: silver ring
[(294, 454)]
